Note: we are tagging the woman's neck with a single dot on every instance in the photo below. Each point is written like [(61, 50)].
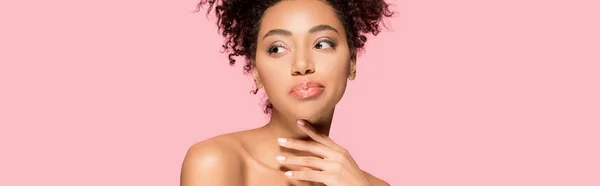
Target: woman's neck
[(265, 147), (286, 127)]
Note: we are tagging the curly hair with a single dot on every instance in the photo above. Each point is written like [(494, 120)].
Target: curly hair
[(237, 22)]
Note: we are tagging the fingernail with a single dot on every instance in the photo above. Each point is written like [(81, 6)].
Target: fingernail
[(288, 173), (300, 122), (280, 158), (282, 140)]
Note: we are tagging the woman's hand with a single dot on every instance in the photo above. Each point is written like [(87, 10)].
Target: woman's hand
[(335, 167)]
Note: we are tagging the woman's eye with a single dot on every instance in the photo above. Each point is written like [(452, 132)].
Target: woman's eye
[(276, 49), (325, 44)]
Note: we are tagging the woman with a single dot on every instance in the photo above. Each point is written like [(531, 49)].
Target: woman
[(302, 52)]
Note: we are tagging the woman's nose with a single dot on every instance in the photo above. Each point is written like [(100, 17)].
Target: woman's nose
[(302, 64)]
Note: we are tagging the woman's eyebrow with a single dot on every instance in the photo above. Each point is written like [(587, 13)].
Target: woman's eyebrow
[(314, 29), (319, 28), (278, 32)]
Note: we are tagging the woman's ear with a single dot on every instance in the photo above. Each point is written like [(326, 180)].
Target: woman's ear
[(352, 73), (256, 77), (352, 70)]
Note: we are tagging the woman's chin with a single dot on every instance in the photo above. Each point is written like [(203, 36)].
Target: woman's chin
[(311, 113)]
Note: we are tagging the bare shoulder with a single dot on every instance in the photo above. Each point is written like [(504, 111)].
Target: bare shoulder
[(215, 161), (376, 181)]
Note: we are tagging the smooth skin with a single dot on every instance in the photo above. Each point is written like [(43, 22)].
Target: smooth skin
[(298, 40)]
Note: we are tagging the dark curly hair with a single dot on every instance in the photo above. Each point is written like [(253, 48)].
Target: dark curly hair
[(239, 22)]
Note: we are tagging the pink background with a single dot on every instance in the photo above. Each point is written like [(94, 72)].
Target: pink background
[(456, 93)]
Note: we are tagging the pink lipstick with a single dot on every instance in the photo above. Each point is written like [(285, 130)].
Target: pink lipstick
[(307, 89)]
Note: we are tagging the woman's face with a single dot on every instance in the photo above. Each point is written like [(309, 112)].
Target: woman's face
[(303, 60)]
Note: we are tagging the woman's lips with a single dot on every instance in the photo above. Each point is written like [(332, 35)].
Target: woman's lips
[(307, 89)]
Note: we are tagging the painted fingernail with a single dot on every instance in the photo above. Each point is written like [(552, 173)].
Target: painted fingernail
[(288, 173), (282, 141), (300, 122), (280, 158)]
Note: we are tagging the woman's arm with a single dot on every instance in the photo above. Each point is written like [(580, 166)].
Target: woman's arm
[(211, 163), (375, 181)]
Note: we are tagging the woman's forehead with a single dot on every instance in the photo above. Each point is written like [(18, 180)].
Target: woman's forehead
[(299, 16)]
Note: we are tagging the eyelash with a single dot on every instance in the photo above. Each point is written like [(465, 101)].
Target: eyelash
[(330, 42), (273, 47)]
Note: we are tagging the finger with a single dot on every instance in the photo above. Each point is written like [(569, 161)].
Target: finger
[(311, 162), (312, 147), (307, 128), (314, 176)]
